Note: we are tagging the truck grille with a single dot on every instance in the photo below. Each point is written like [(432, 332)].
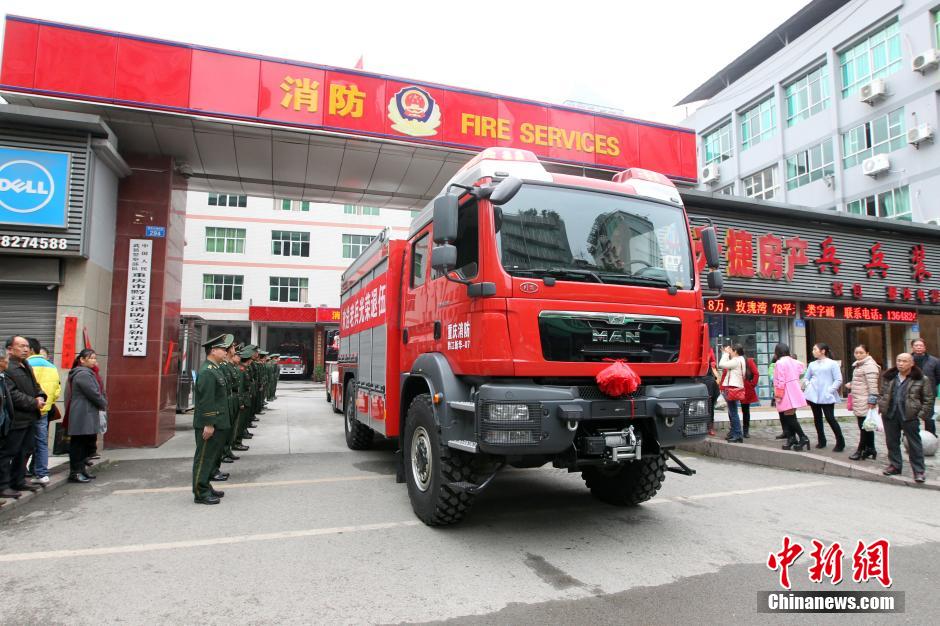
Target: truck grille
[(591, 337), (499, 425)]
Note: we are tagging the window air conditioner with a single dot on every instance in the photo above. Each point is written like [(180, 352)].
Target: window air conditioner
[(878, 164), (873, 91), (925, 61), (711, 174), (919, 134)]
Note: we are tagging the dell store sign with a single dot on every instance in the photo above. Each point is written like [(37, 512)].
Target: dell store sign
[(34, 188)]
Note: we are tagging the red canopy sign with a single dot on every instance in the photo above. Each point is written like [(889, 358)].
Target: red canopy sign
[(86, 64)]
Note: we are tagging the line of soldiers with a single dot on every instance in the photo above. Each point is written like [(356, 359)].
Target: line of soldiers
[(232, 388)]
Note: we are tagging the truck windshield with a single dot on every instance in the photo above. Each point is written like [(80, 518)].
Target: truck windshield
[(592, 236)]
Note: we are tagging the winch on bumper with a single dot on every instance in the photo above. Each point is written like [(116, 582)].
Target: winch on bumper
[(530, 419)]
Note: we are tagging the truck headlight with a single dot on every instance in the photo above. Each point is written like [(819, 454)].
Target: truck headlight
[(505, 412), (696, 408)]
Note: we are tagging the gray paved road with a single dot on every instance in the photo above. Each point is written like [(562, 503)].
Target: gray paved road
[(325, 535)]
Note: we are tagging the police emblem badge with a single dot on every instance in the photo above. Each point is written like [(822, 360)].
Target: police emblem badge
[(414, 112)]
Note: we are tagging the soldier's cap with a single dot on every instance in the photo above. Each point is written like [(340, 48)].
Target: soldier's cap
[(222, 341), (247, 352), (263, 352), (275, 356)]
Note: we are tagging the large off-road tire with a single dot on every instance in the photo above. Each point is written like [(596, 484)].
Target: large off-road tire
[(629, 483), (358, 435), (430, 466)]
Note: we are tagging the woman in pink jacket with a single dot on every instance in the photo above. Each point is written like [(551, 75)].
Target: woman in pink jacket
[(789, 396)]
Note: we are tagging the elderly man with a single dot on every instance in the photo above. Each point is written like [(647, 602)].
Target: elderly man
[(930, 366), (907, 397)]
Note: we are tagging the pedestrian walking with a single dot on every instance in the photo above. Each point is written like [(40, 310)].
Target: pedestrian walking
[(789, 396), (752, 375), (28, 400), (930, 366), (822, 387), (48, 378), (907, 398), (733, 365), (84, 403), (863, 394), (211, 420)]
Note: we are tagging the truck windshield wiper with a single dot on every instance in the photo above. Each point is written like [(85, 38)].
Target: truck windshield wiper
[(560, 272), (634, 278)]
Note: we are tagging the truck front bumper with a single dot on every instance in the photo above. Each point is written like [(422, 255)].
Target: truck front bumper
[(530, 419)]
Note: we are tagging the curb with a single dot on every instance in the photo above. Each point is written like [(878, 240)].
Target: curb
[(800, 462), (58, 476)]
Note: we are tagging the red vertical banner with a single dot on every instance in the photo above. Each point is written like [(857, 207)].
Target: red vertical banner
[(69, 331)]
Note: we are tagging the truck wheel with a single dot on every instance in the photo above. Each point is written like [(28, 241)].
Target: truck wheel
[(358, 436), (628, 484), (430, 466)]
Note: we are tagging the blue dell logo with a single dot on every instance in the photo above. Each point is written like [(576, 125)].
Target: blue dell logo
[(33, 187)]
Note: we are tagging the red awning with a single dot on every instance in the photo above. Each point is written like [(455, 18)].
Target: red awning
[(303, 314)]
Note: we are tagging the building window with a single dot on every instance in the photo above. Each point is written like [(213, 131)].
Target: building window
[(809, 165), (894, 203), (727, 190), (353, 245), (222, 287), (808, 96), (878, 136), (876, 56), (761, 185), (352, 209), (216, 199), (229, 240), (286, 204), (290, 243), (717, 144), (758, 123), (287, 289)]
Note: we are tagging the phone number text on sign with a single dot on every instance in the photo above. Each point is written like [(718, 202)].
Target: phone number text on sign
[(34, 243)]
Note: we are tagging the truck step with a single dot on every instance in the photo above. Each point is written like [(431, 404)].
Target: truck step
[(466, 446), (469, 407)]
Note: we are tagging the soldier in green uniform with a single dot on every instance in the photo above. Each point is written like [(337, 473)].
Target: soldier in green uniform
[(241, 422), (230, 370), (262, 380), (211, 419), (275, 374)]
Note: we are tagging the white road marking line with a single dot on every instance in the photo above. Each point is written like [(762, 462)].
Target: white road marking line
[(198, 543), (737, 492), (273, 483)]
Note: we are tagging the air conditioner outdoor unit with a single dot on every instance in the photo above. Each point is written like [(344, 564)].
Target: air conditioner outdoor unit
[(919, 134), (934, 222), (878, 164), (927, 60), (711, 174), (873, 91)]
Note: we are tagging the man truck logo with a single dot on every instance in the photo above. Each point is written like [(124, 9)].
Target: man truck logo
[(25, 186), (615, 336), (414, 112)]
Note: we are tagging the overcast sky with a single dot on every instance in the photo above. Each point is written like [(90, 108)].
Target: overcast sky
[(641, 57)]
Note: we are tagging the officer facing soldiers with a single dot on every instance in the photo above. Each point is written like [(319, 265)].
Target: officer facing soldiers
[(211, 419)]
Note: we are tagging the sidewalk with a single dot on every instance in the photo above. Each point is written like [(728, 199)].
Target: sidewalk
[(762, 448)]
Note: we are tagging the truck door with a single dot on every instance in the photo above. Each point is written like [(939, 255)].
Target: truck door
[(459, 340), (417, 322)]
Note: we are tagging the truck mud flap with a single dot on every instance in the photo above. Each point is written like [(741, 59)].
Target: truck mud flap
[(683, 469)]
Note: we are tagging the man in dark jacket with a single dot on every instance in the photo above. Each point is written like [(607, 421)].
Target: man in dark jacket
[(907, 397), (930, 366), (28, 400)]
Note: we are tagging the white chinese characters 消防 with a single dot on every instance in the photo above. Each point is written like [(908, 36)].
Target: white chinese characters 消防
[(458, 336)]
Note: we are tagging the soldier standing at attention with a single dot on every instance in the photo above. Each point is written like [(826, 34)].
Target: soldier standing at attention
[(211, 419), (229, 369), (275, 374), (241, 420)]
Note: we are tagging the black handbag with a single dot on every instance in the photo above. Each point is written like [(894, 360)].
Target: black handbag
[(60, 439)]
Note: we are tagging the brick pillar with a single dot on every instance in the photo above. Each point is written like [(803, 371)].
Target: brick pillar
[(141, 398)]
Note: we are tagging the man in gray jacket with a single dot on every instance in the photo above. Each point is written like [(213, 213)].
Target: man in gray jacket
[(906, 398)]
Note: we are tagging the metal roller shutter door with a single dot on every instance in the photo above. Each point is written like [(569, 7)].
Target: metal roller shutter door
[(28, 310)]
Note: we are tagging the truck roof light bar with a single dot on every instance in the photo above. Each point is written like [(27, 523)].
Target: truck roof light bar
[(500, 163), (648, 183)]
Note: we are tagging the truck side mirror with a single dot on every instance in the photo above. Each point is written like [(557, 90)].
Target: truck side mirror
[(445, 219), (505, 190), (710, 246), (715, 280), (444, 258)]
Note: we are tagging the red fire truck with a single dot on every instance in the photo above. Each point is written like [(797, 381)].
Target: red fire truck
[(476, 341)]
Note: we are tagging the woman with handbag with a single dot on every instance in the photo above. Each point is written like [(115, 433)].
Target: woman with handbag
[(822, 385), (863, 394), (789, 396), (84, 403), (733, 367)]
